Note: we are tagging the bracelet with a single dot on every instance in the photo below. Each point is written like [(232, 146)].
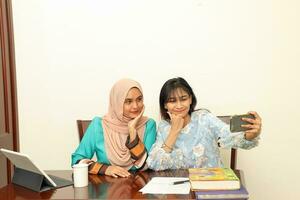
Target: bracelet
[(165, 145)]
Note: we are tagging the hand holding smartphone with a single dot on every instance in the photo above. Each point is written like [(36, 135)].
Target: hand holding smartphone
[(236, 122)]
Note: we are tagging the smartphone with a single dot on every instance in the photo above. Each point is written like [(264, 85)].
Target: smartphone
[(236, 122)]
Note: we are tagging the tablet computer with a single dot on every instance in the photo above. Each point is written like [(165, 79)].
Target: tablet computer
[(25, 165)]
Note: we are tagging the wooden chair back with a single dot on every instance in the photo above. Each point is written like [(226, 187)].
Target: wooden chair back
[(233, 152), (82, 125)]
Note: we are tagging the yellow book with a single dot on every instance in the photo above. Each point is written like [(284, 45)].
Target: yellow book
[(213, 179)]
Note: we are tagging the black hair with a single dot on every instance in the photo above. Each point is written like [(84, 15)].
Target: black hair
[(166, 91)]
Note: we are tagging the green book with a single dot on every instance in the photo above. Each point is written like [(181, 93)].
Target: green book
[(213, 179)]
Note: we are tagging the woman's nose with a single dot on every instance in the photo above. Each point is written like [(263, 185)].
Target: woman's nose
[(178, 103), (134, 104)]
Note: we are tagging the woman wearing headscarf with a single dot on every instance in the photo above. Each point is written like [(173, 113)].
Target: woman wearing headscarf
[(122, 138)]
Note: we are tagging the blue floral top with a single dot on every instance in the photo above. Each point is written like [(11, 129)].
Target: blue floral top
[(197, 144)]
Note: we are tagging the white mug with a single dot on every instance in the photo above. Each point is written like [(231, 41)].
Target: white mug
[(80, 175)]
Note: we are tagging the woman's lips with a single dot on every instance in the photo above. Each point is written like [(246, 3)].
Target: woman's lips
[(179, 111)]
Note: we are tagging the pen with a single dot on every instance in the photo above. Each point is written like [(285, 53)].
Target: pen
[(180, 182)]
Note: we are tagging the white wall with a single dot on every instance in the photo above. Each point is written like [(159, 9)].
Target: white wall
[(238, 55)]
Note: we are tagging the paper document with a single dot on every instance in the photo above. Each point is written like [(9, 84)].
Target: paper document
[(164, 185)]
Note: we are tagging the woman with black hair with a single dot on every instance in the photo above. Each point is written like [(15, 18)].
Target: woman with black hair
[(187, 138)]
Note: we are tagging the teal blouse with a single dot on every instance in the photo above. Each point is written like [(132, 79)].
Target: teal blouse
[(93, 142)]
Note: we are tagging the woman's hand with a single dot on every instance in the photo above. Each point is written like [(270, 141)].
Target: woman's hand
[(176, 123), (132, 125), (116, 171), (254, 127), (86, 161)]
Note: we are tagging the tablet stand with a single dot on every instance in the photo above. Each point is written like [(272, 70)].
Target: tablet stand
[(30, 180)]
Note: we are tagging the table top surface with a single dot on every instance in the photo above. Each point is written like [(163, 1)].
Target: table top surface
[(101, 187)]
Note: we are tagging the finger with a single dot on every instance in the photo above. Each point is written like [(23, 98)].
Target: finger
[(122, 174), (141, 113), (90, 163), (119, 174), (114, 175), (143, 110), (122, 171), (257, 122), (255, 114), (250, 135), (125, 172), (170, 115), (252, 131), (135, 120), (250, 126), (86, 161), (257, 119), (252, 121)]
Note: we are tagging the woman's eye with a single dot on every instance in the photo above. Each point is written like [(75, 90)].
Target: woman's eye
[(140, 99)]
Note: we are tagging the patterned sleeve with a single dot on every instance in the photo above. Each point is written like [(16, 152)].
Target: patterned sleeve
[(149, 139), (158, 159), (225, 138)]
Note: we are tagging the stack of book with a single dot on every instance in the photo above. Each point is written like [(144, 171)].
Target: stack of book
[(216, 183)]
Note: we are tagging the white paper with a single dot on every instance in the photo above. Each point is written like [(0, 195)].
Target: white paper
[(164, 185)]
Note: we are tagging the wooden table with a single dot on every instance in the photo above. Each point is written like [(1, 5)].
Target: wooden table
[(100, 187)]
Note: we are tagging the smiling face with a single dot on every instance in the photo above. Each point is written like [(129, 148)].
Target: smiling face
[(179, 103), (133, 103)]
